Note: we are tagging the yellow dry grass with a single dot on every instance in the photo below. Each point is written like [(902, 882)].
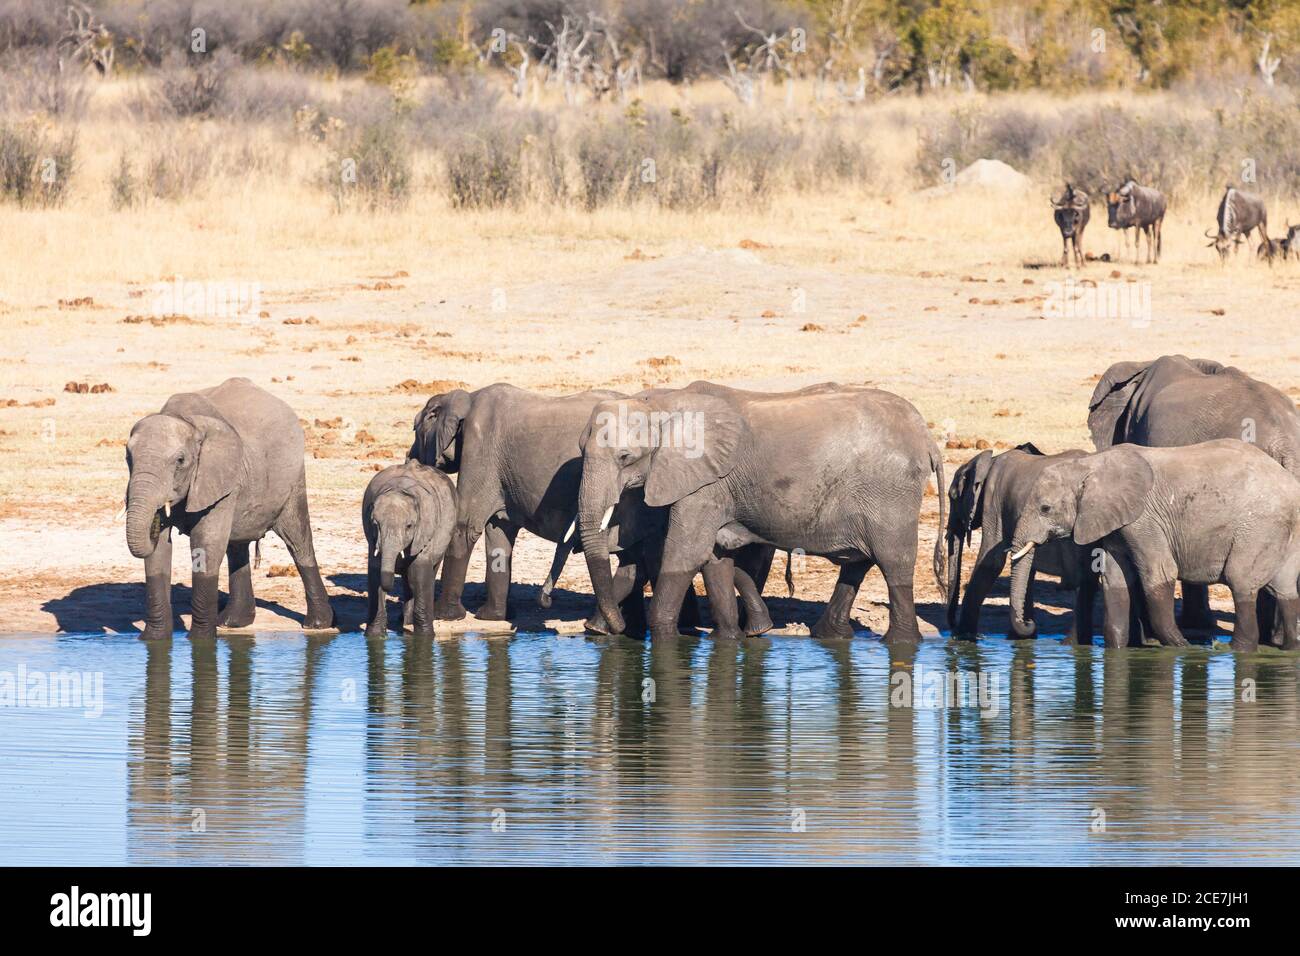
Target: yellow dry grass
[(942, 300)]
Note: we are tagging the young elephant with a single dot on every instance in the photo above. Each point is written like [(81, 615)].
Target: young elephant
[(1221, 512), (407, 512), (231, 459), (989, 493)]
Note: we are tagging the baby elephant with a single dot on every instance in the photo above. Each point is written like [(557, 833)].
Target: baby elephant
[(230, 459), (989, 493), (408, 512), (1221, 512)]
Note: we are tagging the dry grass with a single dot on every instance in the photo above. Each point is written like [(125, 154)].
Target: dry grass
[(931, 298)]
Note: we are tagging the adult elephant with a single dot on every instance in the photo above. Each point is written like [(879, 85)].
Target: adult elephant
[(1218, 512), (832, 471), (1175, 400), (230, 459), (518, 463)]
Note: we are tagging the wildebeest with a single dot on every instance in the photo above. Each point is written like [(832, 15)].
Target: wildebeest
[(1143, 209), (1071, 213), (1239, 213), (1271, 248)]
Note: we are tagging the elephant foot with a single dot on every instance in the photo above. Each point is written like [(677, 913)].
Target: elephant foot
[(449, 612), (318, 620), (725, 634), (832, 630), (969, 636), (664, 633), (376, 632), (424, 630), (1244, 646), (756, 624), (236, 615), (154, 632), (902, 635), (596, 625), (206, 633), (1176, 640), (486, 613)]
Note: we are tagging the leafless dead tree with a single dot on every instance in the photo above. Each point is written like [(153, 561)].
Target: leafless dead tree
[(1268, 66), (85, 40)]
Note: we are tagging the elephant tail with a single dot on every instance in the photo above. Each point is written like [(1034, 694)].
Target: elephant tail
[(940, 565), (789, 575)]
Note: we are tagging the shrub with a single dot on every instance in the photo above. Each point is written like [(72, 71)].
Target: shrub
[(35, 168), (33, 83), (123, 186), (371, 165)]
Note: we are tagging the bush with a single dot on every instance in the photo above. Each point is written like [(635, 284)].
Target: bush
[(186, 90), (35, 168), (372, 166), (33, 83), (179, 168), (123, 186)]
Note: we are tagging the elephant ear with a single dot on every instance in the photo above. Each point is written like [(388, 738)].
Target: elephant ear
[(1113, 493), (1110, 401), (426, 518), (221, 451), (964, 493), (450, 418), (697, 445)]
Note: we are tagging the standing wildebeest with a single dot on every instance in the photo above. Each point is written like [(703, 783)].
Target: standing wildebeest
[(1141, 208), (1071, 213), (1239, 213)]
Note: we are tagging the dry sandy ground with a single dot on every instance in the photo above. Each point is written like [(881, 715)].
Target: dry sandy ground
[(939, 300)]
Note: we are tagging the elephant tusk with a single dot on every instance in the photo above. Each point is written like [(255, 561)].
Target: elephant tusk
[(572, 526), (604, 522), (167, 510), (121, 514), (1022, 552)]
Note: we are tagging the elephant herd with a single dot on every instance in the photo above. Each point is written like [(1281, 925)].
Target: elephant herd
[(1195, 479)]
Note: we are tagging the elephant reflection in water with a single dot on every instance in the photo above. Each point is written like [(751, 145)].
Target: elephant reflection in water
[(189, 776)]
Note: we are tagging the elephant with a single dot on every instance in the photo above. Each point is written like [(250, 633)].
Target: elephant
[(989, 493), (518, 463), (231, 459), (407, 514), (831, 470), (1175, 400), (1218, 512)]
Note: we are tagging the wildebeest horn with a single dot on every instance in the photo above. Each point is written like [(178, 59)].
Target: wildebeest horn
[(1210, 235)]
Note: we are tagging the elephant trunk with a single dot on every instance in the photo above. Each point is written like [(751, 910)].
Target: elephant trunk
[(390, 544), (598, 494), (145, 496), (956, 545), (1022, 569)]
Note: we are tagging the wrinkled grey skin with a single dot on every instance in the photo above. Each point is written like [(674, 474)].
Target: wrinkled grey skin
[(228, 461), (1175, 400), (518, 464), (1141, 208), (1071, 213), (835, 471), (407, 514), (988, 493), (1220, 512)]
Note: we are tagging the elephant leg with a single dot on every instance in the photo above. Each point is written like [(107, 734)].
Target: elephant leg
[(158, 589), (898, 574), (419, 581), (1117, 626), (1268, 617), (720, 580), (835, 622), (1289, 613), (690, 620), (1081, 627), (454, 566), (294, 529), (1245, 628), (756, 616), (208, 544), (240, 607), (376, 602), (632, 607), (1195, 614), (408, 603), (988, 567), (1159, 597), (500, 547)]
